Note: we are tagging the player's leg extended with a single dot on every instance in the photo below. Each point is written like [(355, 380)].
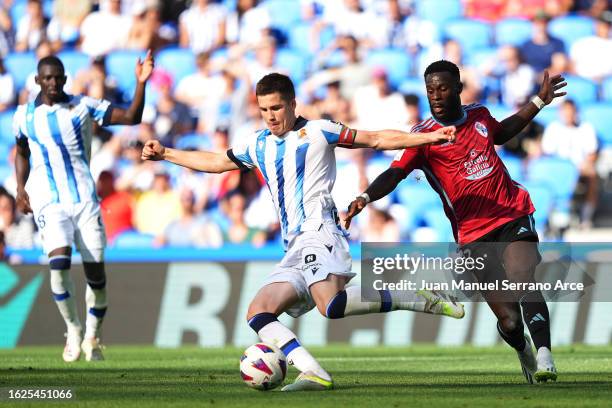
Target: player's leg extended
[(335, 301), (63, 291), (520, 261), (511, 329), (272, 300)]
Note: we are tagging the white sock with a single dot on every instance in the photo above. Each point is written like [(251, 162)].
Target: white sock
[(62, 287), (279, 335), (96, 308), (389, 301)]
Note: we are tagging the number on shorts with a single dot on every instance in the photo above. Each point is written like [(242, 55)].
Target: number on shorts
[(41, 221)]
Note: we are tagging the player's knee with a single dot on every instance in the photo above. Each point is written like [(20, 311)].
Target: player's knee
[(260, 320), (60, 262), (510, 323), (92, 255), (95, 275), (334, 309)]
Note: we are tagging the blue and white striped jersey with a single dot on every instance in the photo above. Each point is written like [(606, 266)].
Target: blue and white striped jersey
[(300, 171), (59, 138)]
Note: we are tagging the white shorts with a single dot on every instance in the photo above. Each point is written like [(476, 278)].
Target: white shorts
[(62, 225), (312, 256)]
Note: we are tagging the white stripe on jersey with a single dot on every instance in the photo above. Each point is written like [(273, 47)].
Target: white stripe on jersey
[(59, 138), (300, 171)]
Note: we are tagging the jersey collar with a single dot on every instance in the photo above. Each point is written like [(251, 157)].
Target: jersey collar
[(38, 100), (458, 122), (300, 122)]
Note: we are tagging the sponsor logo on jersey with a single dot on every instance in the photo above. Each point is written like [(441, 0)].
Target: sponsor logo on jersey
[(481, 129), (477, 166)]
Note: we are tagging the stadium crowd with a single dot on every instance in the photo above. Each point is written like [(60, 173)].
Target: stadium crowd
[(356, 62)]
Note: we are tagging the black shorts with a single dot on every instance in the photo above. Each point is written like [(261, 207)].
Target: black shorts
[(490, 247)]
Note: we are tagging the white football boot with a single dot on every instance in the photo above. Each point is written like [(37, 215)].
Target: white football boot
[(72, 349), (439, 304), (92, 349), (309, 381), (528, 360), (546, 366)]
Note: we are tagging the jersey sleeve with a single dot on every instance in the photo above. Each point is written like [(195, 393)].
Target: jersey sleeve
[(99, 109), (240, 154), (494, 126), (408, 159), (18, 122), (337, 134)]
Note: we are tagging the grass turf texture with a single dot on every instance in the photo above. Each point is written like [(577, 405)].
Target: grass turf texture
[(378, 377)]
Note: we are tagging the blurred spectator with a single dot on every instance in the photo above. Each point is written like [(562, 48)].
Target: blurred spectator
[(117, 206), (6, 31), (170, 119), (265, 60), (517, 78), (18, 229), (381, 227), (572, 139), (488, 10), (530, 8), (248, 24), (592, 56), (95, 82), (190, 230), (147, 31), (237, 231), (157, 208), (105, 30), (413, 110), (195, 89), (134, 173), (544, 51), (7, 88), (524, 145), (351, 19), (63, 29), (376, 106), (31, 28), (593, 8), (202, 26), (3, 254), (31, 88)]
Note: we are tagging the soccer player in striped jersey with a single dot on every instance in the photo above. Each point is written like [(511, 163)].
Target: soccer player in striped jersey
[(491, 214), (53, 135), (296, 157)]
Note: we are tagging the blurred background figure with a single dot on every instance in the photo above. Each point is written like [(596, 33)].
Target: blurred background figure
[(105, 30), (117, 206), (63, 30), (202, 26), (158, 207), (236, 231), (32, 28)]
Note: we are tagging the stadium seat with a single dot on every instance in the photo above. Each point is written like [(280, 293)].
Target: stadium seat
[(417, 197), (18, 10), (179, 62), (514, 165), (20, 65), (395, 61), (439, 11), (571, 28), (512, 31), (413, 85), (471, 34), (6, 127), (193, 141), (599, 116), (301, 38), (559, 174), (547, 115), (436, 219), (133, 239), (74, 61), (284, 14), (543, 201), (500, 112), (295, 63), (120, 64), (482, 57), (581, 90), (606, 89)]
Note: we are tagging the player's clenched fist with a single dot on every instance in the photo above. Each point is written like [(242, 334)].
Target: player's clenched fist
[(354, 208), (153, 150)]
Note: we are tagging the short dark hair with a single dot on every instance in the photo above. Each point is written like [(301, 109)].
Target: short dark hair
[(276, 82), (411, 99), (51, 60), (443, 66)]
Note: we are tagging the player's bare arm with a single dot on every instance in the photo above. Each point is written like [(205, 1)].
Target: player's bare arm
[(396, 139), (208, 162), (549, 90), (22, 172), (383, 185), (133, 114)]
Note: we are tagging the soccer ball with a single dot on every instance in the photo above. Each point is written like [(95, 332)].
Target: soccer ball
[(263, 366)]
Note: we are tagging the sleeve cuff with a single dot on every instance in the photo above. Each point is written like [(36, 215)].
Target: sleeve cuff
[(106, 119), (241, 165)]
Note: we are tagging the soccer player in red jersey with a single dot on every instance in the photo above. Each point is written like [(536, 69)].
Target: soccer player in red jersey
[(491, 215)]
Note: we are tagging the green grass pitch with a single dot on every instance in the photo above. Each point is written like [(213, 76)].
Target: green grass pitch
[(379, 377)]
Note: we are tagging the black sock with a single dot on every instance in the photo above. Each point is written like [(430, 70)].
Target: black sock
[(515, 339), (535, 314)]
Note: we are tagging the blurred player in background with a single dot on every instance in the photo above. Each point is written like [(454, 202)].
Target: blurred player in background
[(56, 131), (297, 160), (483, 204)]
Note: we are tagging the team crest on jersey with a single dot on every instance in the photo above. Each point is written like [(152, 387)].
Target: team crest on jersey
[(302, 133), (482, 129)]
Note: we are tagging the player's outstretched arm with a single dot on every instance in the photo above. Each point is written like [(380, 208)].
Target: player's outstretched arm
[(396, 139), (549, 90), (133, 114), (22, 172), (383, 185), (208, 162)]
